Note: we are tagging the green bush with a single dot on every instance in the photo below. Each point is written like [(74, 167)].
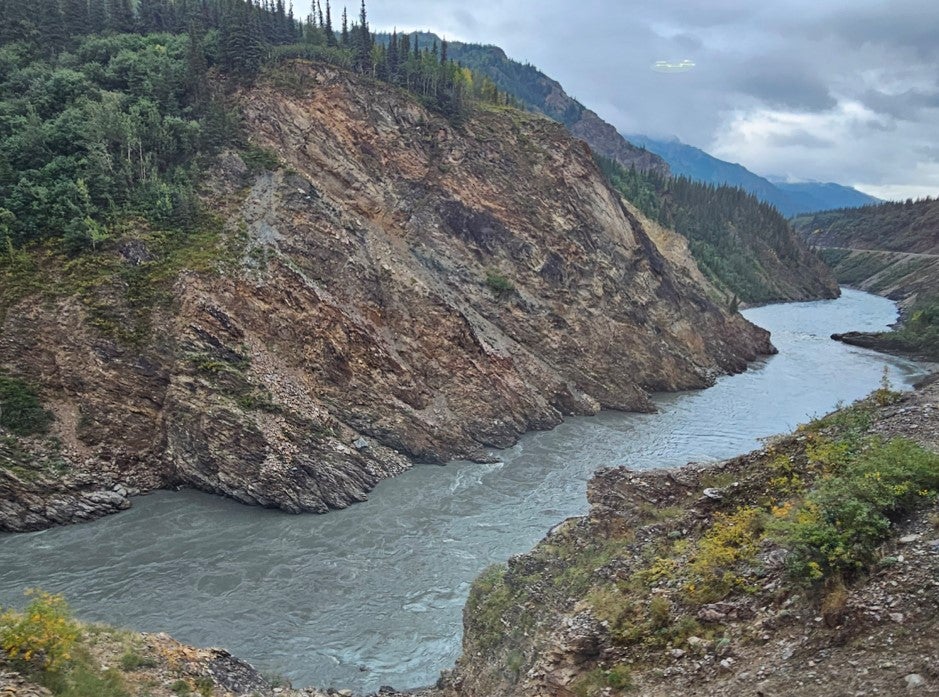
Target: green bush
[(836, 530), (21, 411), (132, 660), (499, 284)]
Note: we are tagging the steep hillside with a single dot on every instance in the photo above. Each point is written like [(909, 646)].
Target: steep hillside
[(744, 247), (381, 287), (901, 226), (893, 250), (536, 91), (788, 198)]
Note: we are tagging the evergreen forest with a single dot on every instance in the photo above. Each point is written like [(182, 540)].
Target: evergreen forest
[(743, 245)]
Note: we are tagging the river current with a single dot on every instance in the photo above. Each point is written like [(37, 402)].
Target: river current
[(372, 595)]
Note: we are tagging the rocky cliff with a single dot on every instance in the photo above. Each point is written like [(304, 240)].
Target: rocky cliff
[(385, 287)]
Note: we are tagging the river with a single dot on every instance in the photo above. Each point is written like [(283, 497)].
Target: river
[(372, 595)]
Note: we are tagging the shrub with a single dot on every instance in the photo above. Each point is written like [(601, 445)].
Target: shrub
[(731, 540), (21, 411), (132, 660), (499, 284), (43, 636), (838, 527)]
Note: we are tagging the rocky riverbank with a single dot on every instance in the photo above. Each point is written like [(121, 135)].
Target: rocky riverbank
[(703, 580)]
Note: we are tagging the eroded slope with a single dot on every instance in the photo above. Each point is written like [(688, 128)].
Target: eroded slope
[(397, 289)]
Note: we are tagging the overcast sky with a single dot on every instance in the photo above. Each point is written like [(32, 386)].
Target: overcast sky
[(844, 91)]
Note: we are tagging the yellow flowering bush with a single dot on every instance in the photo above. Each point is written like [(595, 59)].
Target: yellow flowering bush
[(43, 635)]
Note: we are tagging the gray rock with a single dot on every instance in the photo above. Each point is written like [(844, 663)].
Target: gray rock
[(914, 680)]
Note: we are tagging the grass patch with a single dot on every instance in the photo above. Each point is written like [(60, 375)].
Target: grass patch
[(259, 159), (599, 680), (500, 286)]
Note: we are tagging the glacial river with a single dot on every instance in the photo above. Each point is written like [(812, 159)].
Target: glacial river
[(372, 595)]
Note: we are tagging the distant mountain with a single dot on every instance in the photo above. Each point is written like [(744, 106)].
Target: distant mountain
[(539, 93), (789, 198)]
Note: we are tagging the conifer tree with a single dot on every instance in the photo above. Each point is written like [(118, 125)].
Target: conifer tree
[(391, 56), (196, 68), (344, 37), (54, 33), (330, 34), (76, 16), (120, 16), (443, 51), (363, 43), (97, 17)]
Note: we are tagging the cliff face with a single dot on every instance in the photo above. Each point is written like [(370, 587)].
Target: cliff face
[(397, 289)]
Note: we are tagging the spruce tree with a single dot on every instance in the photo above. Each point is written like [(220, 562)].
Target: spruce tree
[(97, 17), (443, 51), (54, 33), (330, 34), (363, 43), (391, 56), (344, 37), (120, 16), (76, 16), (196, 68)]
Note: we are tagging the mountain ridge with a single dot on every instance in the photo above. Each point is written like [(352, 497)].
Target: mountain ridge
[(790, 198)]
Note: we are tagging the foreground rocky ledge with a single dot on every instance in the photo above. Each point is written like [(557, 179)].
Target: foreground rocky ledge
[(680, 582)]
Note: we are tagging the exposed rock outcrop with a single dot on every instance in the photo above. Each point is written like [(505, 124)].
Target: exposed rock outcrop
[(399, 289)]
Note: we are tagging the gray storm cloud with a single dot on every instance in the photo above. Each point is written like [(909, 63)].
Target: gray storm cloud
[(774, 85)]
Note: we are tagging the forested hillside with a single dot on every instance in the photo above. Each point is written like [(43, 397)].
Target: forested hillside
[(107, 109), (891, 249), (744, 246), (897, 226)]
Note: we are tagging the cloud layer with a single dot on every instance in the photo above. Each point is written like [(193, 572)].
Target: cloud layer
[(819, 89)]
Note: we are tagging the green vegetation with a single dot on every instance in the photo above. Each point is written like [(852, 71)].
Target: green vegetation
[(596, 681), (835, 530), (21, 411), (132, 661), (743, 246), (42, 637), (500, 285), (918, 335), (46, 644), (899, 226), (108, 110), (489, 598)]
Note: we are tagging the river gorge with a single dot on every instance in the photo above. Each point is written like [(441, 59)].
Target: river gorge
[(372, 595)]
